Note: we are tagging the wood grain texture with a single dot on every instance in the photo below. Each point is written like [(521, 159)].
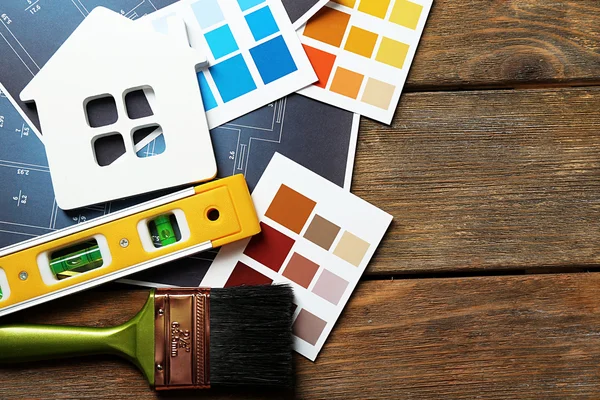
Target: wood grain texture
[(482, 180), (490, 337), (497, 43)]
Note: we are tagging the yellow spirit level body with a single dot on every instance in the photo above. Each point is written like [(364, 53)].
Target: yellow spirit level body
[(209, 216)]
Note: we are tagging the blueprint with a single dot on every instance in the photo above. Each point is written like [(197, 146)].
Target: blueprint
[(318, 136)]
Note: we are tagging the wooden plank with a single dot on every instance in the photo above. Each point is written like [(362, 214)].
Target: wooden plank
[(531, 336), (482, 180), (488, 43)]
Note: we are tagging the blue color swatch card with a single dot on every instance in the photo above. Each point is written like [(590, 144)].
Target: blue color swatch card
[(255, 56)]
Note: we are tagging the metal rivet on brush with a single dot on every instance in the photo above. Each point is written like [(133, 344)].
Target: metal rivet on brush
[(161, 311), (159, 367), (23, 275)]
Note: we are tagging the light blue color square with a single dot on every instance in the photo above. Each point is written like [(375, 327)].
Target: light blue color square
[(232, 77), (273, 60), (207, 12), (246, 4), (207, 95), (262, 23), (221, 41)]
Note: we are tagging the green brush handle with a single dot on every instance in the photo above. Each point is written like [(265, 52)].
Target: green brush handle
[(134, 340), (27, 343)]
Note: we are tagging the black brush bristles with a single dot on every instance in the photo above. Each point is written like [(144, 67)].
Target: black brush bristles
[(251, 336)]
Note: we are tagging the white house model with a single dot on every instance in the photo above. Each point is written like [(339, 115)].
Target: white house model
[(109, 56)]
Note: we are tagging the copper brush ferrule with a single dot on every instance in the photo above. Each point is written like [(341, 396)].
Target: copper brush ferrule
[(182, 338)]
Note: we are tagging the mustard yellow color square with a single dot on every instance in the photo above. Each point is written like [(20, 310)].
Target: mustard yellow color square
[(361, 42), (392, 52), (347, 3), (376, 8), (406, 13)]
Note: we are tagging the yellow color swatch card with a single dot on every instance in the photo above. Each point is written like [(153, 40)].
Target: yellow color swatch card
[(361, 51)]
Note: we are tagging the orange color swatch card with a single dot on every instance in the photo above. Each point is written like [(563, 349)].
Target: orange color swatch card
[(361, 51)]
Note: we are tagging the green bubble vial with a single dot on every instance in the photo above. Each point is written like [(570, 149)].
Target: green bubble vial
[(164, 228), (81, 259)]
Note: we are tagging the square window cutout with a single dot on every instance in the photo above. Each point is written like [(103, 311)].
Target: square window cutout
[(108, 148), (149, 141), (101, 111), (137, 102)]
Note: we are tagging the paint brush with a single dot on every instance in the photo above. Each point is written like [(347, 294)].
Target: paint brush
[(191, 338)]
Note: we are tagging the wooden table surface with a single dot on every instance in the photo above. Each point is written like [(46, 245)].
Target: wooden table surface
[(488, 283)]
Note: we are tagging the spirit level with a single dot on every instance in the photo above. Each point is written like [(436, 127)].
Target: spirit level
[(125, 242)]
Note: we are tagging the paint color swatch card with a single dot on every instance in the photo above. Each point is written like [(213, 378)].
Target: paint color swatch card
[(255, 56), (362, 51), (315, 236)]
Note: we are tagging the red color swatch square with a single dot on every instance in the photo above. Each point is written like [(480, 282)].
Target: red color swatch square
[(244, 275), (322, 62), (270, 247)]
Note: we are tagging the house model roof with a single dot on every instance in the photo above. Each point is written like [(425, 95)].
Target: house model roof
[(100, 48)]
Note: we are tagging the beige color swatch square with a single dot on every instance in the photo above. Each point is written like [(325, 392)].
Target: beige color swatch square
[(378, 94), (351, 248)]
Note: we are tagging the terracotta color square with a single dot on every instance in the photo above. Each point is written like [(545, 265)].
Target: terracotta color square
[(300, 270), (321, 232), (392, 52), (347, 3), (290, 209), (351, 248), (376, 8), (327, 26), (270, 247), (361, 42), (406, 13), (378, 94), (308, 327), (330, 287), (346, 82), (322, 63), (244, 275)]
